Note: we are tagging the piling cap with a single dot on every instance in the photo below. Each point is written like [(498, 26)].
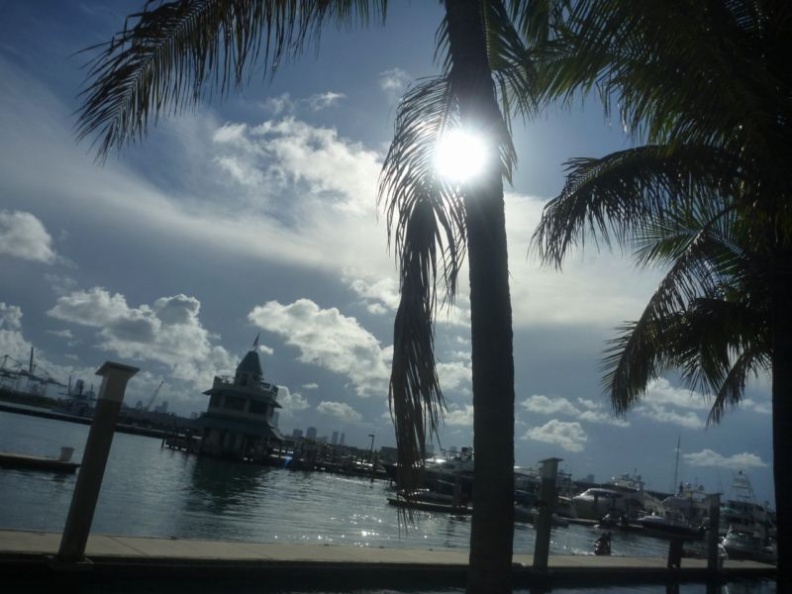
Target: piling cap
[(115, 377)]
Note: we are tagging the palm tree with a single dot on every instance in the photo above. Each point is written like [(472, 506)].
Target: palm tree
[(168, 55), (706, 84)]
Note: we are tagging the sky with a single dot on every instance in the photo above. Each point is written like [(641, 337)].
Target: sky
[(255, 215)]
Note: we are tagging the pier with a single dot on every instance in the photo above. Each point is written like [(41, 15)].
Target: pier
[(29, 462), (30, 558)]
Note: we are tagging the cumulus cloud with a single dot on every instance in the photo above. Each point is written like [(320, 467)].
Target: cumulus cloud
[(22, 235), (661, 391), (327, 338), (543, 405), (461, 416), (761, 407), (339, 410), (291, 401), (168, 331), (707, 457), (310, 386), (10, 317), (588, 410), (568, 436)]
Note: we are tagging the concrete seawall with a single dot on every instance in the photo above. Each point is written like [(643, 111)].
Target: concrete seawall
[(28, 559)]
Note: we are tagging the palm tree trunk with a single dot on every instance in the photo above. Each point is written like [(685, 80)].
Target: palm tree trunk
[(781, 304), (492, 529)]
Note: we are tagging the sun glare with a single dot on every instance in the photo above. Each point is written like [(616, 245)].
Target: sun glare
[(460, 155)]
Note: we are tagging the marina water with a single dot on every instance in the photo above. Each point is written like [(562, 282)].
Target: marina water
[(157, 492)]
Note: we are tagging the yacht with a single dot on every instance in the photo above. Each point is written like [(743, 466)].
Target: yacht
[(625, 494)]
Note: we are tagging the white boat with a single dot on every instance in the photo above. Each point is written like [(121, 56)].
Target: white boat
[(742, 513), (743, 545), (625, 494), (528, 514), (671, 524)]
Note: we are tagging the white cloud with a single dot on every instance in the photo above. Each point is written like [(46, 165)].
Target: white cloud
[(233, 133), (461, 416), (456, 376), (661, 414), (322, 101), (284, 103), (22, 235), (544, 405), (763, 407), (267, 350), (394, 79), (278, 105), (327, 338), (10, 317), (291, 401), (311, 386), (661, 391), (168, 331), (711, 458), (568, 436), (339, 410)]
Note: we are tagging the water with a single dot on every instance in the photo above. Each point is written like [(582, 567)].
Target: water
[(156, 492)]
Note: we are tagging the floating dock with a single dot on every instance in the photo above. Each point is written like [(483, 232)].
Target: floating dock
[(27, 462), (29, 559)]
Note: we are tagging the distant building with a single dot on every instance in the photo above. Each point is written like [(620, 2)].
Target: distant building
[(342, 440), (297, 434), (334, 438), (310, 433), (239, 421)]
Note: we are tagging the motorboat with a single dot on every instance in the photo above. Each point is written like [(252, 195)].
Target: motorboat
[(431, 501), (744, 545), (443, 473), (625, 493), (671, 524), (595, 502)]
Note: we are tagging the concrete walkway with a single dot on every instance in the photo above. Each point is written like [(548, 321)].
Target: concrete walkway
[(31, 555)]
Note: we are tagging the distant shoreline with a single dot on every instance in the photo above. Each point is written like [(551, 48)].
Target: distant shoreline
[(48, 414)]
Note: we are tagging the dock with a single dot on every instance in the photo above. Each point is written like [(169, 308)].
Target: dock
[(45, 463), (30, 559)]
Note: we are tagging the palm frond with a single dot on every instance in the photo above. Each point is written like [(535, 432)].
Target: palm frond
[(425, 220), (170, 54), (614, 196), (640, 57)]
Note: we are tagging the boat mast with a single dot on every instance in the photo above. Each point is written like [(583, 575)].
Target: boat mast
[(676, 466)]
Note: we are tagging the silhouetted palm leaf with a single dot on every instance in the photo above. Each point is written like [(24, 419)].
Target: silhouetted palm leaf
[(172, 53)]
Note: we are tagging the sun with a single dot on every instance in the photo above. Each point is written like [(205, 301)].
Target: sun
[(460, 155)]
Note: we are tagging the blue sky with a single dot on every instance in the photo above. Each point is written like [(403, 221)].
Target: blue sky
[(258, 214)]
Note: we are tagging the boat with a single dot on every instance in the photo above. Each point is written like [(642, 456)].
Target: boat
[(745, 546), (528, 515), (430, 501), (742, 512), (671, 524), (625, 493), (443, 473)]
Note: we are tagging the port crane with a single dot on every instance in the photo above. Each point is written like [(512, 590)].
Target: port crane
[(153, 396)]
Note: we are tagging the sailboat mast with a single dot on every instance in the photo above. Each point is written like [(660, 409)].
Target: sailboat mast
[(676, 465)]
